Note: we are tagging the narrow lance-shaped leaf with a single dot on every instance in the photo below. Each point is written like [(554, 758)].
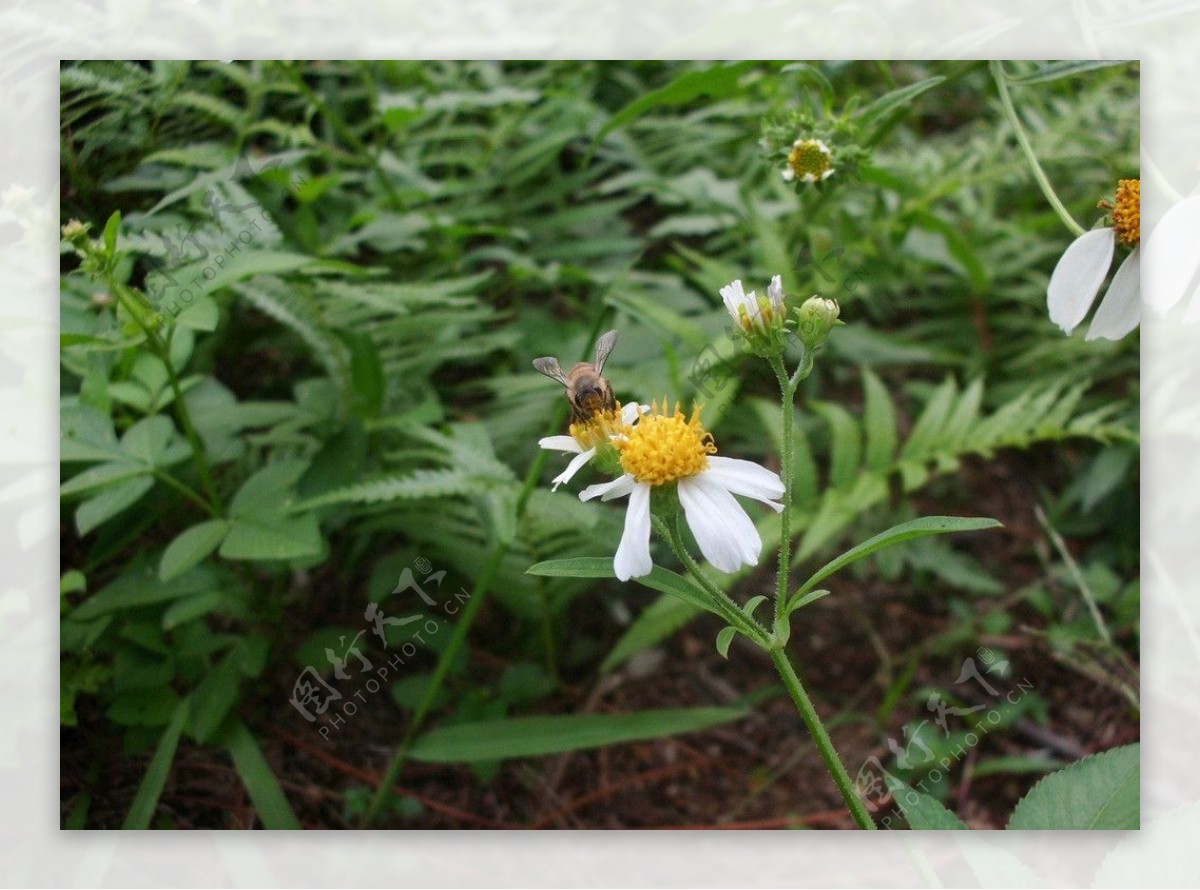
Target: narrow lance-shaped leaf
[(917, 528)]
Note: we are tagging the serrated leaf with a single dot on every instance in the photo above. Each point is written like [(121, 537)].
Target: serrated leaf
[(1099, 792), (540, 736), (922, 812)]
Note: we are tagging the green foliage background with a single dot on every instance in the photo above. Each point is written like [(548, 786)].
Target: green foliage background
[(345, 269)]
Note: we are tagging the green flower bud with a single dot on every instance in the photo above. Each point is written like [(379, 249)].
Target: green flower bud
[(815, 319)]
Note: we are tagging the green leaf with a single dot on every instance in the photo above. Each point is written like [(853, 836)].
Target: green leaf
[(1065, 68), (262, 786), (658, 621), (539, 736), (190, 609), (110, 232), (110, 502), (845, 446), (889, 102), (923, 812), (724, 639), (263, 526), (141, 811), (1100, 792), (716, 83), (191, 547), (905, 531), (659, 579), (879, 420), (808, 599), (213, 699), (271, 536)]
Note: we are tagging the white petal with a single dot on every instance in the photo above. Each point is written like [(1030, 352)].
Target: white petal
[(1121, 309), (789, 174), (561, 443), (606, 491), (1171, 256), (734, 297), (631, 412), (1078, 276), (775, 292), (633, 553), (746, 478), (578, 462), (723, 531)]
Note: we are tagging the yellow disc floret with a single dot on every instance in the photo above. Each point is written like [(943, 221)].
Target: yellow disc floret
[(1126, 213), (809, 161), (664, 447), (599, 429)]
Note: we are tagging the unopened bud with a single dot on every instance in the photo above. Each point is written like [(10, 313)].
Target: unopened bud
[(815, 319)]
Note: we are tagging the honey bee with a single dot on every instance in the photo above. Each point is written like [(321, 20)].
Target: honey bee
[(587, 390)]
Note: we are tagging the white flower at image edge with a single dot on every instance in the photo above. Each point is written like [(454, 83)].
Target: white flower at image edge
[(667, 448), (1077, 279), (1084, 265), (1173, 259), (571, 445)]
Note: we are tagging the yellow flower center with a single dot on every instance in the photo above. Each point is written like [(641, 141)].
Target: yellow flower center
[(599, 428), (664, 447), (809, 158), (1126, 213)]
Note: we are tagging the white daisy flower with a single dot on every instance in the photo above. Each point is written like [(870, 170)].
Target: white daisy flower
[(585, 438), (810, 160), (753, 313), (1084, 265), (1172, 260), (664, 449)]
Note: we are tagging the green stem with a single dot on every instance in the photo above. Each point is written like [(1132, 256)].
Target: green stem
[(730, 610), (997, 69), (185, 490), (783, 578), (162, 351), (824, 744)]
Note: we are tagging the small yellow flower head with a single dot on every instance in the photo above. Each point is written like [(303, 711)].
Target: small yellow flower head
[(810, 160), (816, 319), (599, 429), (664, 447), (1126, 213)]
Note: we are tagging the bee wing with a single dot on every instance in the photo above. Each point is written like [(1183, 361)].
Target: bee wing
[(604, 348), (549, 366)]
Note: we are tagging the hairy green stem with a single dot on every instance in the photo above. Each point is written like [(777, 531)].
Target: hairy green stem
[(787, 390), (997, 69), (824, 744)]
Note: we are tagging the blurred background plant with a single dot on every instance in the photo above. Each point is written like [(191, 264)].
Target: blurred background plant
[(296, 344)]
